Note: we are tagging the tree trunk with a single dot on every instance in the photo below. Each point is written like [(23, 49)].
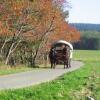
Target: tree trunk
[(1, 51), (43, 37), (11, 50), (13, 45), (9, 53)]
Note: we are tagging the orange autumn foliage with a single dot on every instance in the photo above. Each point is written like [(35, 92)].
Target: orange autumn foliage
[(42, 16), (66, 32)]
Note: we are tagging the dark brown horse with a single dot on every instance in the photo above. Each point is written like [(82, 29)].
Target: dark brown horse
[(52, 57)]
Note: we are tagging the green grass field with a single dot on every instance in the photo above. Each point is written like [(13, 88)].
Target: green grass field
[(76, 85), (87, 55)]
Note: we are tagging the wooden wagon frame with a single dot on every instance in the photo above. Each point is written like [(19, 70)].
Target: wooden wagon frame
[(58, 46)]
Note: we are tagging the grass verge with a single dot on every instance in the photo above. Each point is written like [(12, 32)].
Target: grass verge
[(5, 70)]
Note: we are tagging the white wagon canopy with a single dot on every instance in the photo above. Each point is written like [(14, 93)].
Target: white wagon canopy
[(66, 43)]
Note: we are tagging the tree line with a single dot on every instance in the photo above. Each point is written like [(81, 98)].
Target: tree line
[(90, 36)]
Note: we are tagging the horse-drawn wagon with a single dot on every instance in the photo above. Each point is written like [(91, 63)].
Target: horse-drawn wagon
[(61, 53)]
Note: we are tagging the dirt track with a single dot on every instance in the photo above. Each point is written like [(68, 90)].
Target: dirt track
[(29, 78)]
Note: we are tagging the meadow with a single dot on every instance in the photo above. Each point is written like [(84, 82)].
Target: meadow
[(76, 85)]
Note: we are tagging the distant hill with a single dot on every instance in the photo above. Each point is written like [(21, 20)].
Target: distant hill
[(90, 36), (86, 27)]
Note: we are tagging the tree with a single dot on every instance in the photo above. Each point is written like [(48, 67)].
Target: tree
[(30, 22)]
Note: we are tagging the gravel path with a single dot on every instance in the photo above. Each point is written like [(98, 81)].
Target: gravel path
[(34, 77)]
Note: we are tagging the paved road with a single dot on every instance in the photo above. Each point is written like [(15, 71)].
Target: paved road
[(29, 78)]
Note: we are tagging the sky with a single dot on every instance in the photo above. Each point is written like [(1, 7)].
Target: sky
[(84, 11)]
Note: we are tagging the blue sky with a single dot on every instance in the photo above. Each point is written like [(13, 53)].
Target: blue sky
[(84, 11)]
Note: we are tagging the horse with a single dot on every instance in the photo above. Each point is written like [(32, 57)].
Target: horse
[(52, 57)]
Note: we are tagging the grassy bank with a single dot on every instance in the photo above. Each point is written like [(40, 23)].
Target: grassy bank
[(75, 85), (5, 70)]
